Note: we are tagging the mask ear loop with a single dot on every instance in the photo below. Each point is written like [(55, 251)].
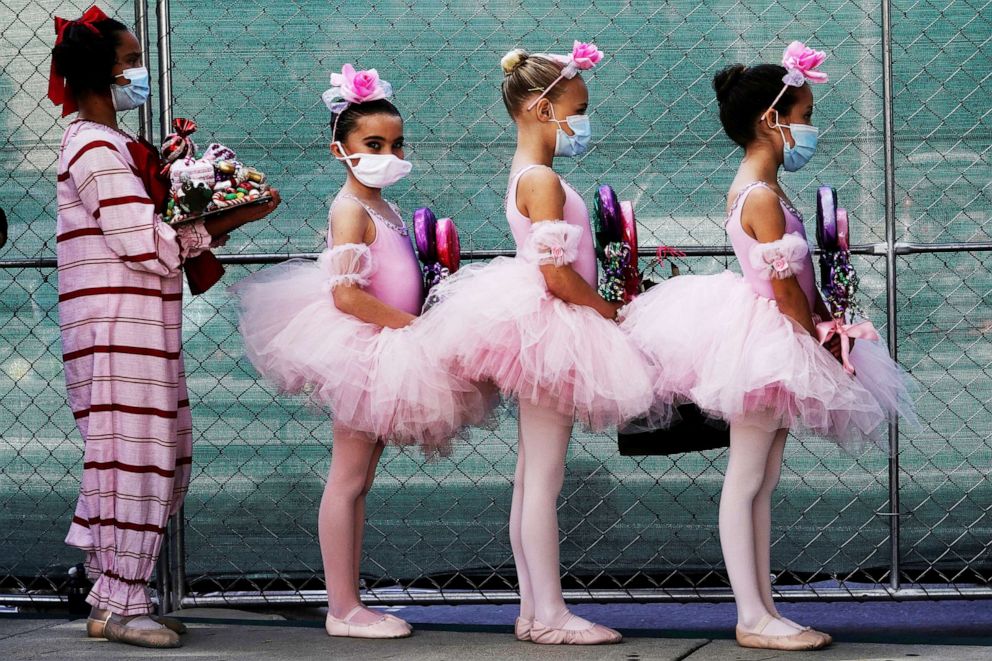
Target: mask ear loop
[(777, 125)]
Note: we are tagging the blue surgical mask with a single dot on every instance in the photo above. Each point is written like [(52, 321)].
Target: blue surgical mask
[(805, 137), (135, 93), (572, 145)]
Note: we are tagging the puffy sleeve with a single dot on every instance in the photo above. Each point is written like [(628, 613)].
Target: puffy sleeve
[(347, 264), (115, 196), (781, 259), (552, 242)]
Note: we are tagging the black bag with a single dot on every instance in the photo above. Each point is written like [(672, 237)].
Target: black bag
[(694, 432)]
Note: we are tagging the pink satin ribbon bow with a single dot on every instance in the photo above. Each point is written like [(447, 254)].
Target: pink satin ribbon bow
[(863, 330)]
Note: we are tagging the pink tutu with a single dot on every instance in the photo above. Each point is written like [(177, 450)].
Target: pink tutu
[(497, 322), (378, 381), (731, 352)]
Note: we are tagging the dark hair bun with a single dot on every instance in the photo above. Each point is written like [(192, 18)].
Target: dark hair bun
[(726, 79), (86, 57)]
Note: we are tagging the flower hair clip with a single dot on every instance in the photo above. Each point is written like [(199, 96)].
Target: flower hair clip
[(584, 56), (800, 62), (352, 86)]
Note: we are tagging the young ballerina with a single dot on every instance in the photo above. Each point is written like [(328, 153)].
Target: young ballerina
[(338, 327), (536, 327), (120, 278), (745, 349)]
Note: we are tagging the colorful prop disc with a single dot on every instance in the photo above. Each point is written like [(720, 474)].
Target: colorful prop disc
[(629, 237), (826, 218), (448, 245), (843, 230), (608, 216), (425, 234)]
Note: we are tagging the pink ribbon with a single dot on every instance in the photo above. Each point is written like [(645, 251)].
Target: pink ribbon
[(863, 330)]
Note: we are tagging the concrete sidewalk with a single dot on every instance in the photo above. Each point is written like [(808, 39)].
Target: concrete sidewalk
[(274, 640)]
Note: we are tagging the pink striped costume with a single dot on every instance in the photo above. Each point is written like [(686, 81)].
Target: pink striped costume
[(120, 310)]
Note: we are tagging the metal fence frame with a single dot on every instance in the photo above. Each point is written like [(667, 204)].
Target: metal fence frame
[(172, 585)]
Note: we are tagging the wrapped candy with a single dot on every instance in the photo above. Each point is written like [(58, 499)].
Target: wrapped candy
[(178, 145), (437, 246), (207, 185)]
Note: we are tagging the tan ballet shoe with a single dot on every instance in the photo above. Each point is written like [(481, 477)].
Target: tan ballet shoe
[(161, 638), (799, 641), (596, 634), (827, 638), (95, 627), (388, 626), (170, 623), (521, 629)]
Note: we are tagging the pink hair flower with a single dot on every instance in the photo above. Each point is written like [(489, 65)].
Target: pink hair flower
[(585, 56), (801, 62), (351, 86)]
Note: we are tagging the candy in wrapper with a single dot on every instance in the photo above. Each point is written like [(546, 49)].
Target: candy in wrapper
[(216, 181), (178, 145), (448, 246)]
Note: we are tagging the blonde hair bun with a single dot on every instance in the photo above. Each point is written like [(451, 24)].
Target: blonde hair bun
[(512, 60)]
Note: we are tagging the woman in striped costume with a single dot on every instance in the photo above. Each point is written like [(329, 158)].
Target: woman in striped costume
[(120, 311)]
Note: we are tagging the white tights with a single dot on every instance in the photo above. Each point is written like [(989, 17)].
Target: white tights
[(341, 521), (537, 482), (745, 521)]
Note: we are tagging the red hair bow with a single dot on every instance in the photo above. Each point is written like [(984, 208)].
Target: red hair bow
[(58, 92)]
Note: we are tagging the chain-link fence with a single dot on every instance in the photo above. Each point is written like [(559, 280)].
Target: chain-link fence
[(905, 139)]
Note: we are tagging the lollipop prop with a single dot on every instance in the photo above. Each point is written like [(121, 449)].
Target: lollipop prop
[(837, 277), (629, 230), (614, 255), (437, 244)]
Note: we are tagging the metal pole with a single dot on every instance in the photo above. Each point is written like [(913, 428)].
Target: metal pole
[(890, 281), (164, 66), (141, 32), (172, 559)]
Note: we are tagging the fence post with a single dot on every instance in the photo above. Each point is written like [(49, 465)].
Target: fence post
[(890, 282), (172, 558)]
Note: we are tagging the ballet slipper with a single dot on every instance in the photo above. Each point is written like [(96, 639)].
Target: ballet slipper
[(95, 627), (170, 623), (521, 629), (388, 626), (825, 636), (799, 641), (596, 634), (161, 638)]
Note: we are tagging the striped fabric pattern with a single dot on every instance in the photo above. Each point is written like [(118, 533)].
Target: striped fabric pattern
[(120, 311)]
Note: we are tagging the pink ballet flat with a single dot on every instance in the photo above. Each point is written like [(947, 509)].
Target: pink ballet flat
[(596, 634), (388, 626), (521, 629), (800, 641)]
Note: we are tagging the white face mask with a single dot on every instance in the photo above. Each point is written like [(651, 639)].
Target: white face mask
[(375, 170)]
